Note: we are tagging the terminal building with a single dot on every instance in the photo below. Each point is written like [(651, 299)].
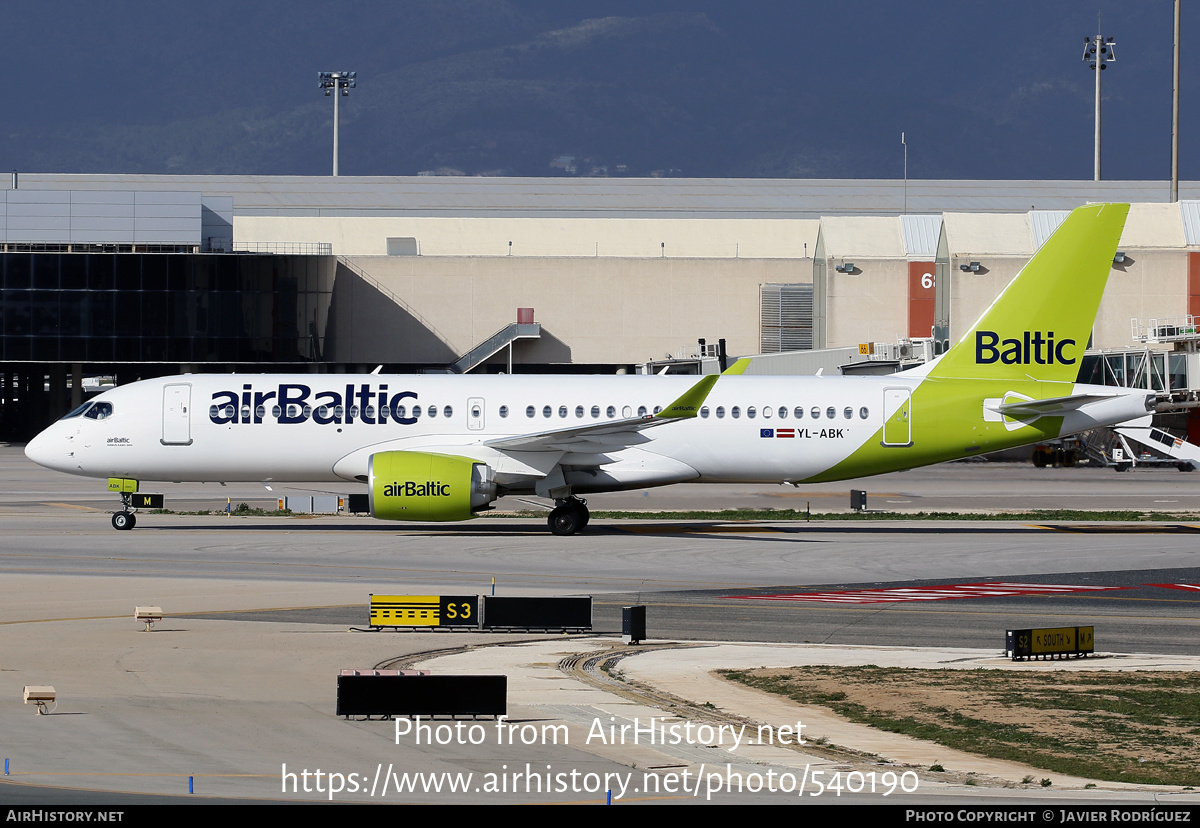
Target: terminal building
[(127, 277)]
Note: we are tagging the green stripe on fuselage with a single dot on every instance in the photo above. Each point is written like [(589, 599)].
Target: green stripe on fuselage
[(946, 422)]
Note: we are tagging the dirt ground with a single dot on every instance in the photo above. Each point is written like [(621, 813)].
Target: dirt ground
[(1130, 727)]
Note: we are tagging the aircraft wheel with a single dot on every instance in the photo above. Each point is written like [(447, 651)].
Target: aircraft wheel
[(123, 520), (1186, 467), (567, 519)]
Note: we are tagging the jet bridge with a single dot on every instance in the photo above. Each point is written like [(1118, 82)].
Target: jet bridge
[(1174, 376)]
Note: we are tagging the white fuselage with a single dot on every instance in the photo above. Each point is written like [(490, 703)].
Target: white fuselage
[(190, 428), (326, 427)]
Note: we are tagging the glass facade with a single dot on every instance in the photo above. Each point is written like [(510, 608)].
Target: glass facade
[(163, 307)]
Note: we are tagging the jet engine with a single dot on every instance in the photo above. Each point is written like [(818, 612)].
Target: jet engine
[(415, 485)]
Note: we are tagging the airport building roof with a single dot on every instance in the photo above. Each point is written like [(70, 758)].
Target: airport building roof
[(462, 196)]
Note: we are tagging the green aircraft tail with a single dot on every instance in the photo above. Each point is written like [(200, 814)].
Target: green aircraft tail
[(1038, 327)]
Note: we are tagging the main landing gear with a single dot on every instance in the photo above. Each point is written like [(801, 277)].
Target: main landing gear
[(569, 516)]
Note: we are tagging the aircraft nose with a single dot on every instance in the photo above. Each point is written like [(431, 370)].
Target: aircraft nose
[(49, 449)]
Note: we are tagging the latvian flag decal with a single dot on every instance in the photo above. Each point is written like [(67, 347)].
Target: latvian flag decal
[(777, 432)]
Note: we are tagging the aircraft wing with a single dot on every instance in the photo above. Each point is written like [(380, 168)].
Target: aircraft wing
[(615, 435), (599, 437)]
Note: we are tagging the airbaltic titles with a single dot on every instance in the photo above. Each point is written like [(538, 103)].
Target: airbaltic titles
[(295, 403)]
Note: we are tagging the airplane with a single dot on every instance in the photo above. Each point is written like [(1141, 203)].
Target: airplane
[(445, 447)]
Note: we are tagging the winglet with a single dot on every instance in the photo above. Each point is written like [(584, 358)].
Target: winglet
[(738, 367), (689, 404)]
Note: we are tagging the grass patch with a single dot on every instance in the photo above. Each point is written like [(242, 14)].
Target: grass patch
[(1120, 727)]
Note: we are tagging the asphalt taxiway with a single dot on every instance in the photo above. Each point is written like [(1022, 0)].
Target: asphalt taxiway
[(238, 681)]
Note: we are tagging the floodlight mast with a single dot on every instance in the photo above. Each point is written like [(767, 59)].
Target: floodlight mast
[(339, 85), (1098, 53), (1175, 116)]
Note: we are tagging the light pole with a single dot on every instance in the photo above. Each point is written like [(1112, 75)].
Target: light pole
[(339, 85), (1175, 116), (1098, 53)]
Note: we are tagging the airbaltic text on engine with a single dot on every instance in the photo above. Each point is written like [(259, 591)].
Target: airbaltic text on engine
[(368, 404), (408, 488), (1017, 352)]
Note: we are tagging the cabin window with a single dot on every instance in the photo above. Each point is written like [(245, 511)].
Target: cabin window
[(595, 412), (816, 413), (831, 413), (276, 411), (720, 412), (547, 411), (863, 413), (657, 409), (562, 411), (751, 413), (735, 412), (529, 411), (611, 412), (641, 411), (799, 412), (503, 411), (848, 413), (783, 412), (704, 411), (579, 412), (448, 411)]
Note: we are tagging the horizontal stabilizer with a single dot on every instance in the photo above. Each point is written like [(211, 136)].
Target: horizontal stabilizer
[(1048, 407)]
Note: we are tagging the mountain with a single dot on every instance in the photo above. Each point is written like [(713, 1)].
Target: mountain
[(611, 87)]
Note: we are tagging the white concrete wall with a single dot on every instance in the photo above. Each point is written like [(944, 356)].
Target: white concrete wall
[(629, 304), (638, 238), (606, 310)]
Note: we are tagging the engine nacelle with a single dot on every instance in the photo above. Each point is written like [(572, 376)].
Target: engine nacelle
[(416, 485)]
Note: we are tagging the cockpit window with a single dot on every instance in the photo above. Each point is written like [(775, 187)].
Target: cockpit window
[(77, 411), (99, 411)]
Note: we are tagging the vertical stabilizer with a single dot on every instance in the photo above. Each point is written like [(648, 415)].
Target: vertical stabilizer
[(1038, 327)]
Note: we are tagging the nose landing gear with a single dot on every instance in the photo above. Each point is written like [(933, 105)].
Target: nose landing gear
[(125, 519)]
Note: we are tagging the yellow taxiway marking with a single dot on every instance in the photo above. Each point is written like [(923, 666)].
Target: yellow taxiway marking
[(74, 506), (1122, 528)]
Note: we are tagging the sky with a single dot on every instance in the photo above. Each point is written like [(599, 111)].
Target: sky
[(979, 90)]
